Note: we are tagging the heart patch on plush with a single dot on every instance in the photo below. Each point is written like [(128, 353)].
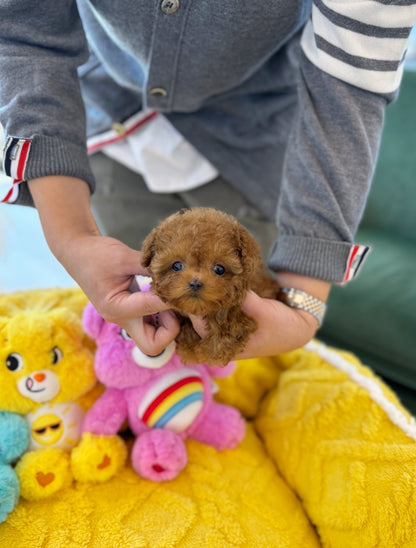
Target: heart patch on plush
[(45, 479)]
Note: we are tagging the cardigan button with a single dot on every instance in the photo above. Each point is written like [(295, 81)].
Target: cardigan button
[(169, 6), (158, 92), (119, 129)]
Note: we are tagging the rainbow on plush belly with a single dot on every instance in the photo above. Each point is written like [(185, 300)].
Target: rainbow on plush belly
[(174, 401)]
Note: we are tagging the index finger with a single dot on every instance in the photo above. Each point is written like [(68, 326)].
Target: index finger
[(134, 305)]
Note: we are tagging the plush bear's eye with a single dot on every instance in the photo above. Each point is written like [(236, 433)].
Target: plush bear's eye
[(125, 335), (56, 355), (178, 266), (14, 362), (219, 270)]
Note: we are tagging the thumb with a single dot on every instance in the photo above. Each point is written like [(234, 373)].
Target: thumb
[(251, 304), (199, 324)]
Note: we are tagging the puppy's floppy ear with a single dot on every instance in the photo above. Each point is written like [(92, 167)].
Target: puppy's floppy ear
[(248, 250), (149, 247)]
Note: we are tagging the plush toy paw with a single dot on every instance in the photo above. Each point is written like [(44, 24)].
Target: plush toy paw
[(221, 426), (159, 455), (98, 458), (9, 491), (43, 472)]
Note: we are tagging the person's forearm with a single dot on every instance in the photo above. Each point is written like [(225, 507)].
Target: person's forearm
[(103, 267), (63, 204), (327, 175)]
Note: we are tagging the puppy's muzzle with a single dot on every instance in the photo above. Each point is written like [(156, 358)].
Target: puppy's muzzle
[(195, 285)]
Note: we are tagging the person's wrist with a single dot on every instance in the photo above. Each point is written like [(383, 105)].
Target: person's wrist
[(306, 295), (319, 289), (300, 300), (73, 246)]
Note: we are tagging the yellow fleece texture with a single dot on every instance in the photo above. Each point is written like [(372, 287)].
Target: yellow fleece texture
[(222, 499), (328, 461), (353, 468)]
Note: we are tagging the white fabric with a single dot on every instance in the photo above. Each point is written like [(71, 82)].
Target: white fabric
[(162, 156), (370, 384)]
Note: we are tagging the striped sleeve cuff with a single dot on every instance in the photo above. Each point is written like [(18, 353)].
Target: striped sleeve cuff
[(335, 262), (25, 159), (362, 43)]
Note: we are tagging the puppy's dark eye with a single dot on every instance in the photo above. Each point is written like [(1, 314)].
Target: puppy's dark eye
[(219, 270), (178, 266)]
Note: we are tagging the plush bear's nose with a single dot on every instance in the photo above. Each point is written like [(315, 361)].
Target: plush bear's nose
[(195, 285), (39, 377)]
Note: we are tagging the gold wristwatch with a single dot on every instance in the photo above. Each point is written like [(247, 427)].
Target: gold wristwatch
[(295, 298)]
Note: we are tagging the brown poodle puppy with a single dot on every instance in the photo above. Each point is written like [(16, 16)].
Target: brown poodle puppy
[(202, 262)]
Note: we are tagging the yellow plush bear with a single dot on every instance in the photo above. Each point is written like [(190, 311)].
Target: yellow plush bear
[(47, 376)]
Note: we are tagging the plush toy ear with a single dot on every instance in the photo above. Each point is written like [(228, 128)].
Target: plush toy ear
[(67, 320), (92, 322)]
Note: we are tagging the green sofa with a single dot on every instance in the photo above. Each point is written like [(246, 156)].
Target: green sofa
[(375, 316)]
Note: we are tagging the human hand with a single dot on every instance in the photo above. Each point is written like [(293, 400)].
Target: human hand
[(105, 268), (280, 328)]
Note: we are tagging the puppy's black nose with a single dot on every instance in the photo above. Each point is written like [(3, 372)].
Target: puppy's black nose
[(195, 285)]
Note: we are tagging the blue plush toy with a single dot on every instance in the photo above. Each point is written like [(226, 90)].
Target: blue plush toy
[(14, 440)]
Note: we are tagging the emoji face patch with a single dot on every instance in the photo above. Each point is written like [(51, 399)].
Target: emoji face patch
[(55, 425)]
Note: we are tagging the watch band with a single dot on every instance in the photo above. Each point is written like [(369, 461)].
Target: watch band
[(295, 298)]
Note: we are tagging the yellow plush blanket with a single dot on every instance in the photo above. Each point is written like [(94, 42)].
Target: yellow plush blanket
[(329, 459)]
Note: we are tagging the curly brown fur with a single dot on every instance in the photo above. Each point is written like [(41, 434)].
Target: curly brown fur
[(202, 262)]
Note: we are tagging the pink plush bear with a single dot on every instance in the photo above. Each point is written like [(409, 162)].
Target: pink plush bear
[(164, 401)]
